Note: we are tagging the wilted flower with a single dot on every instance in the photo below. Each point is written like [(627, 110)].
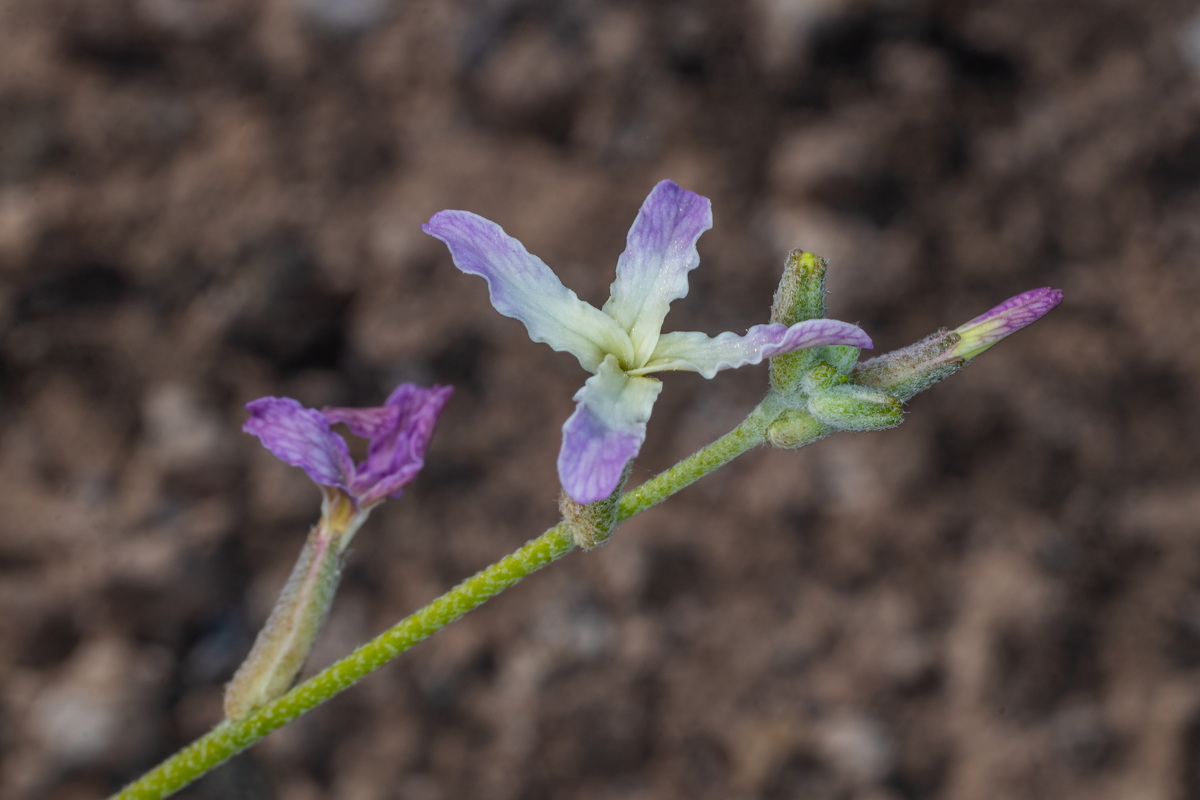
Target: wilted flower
[(399, 431), (622, 343)]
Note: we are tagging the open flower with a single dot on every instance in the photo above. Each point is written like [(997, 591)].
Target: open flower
[(623, 343), (398, 431)]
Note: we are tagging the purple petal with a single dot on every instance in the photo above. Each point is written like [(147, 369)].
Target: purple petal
[(301, 437), (523, 287), (397, 454), (605, 432), (660, 251), (698, 352), (365, 423), (1004, 320)]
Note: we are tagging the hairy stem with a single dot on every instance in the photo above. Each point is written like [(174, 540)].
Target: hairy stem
[(230, 738), (746, 436)]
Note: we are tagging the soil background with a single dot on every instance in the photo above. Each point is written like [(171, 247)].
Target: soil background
[(204, 202)]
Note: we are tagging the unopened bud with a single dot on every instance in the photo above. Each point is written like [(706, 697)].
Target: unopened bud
[(1004, 320), (913, 369), (821, 378), (795, 429), (801, 292), (799, 297), (856, 408)]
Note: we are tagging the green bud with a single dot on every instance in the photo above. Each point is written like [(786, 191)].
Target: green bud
[(801, 292), (799, 297), (795, 429), (821, 378), (840, 357), (848, 407)]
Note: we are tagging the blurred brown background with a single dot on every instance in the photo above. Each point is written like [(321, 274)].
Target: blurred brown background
[(206, 201)]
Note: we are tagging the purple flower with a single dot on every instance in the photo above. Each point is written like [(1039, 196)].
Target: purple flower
[(622, 343), (399, 431), (1004, 320)]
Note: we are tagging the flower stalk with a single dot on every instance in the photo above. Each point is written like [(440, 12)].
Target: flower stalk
[(287, 638), (815, 389), (233, 736), (398, 433)]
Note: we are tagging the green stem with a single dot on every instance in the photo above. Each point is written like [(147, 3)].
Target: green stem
[(749, 434), (230, 738)]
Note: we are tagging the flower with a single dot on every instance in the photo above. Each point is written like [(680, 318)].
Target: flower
[(622, 343), (399, 431), (1004, 320)]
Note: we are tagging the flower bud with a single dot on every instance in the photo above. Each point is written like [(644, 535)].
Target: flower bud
[(1004, 320), (801, 297), (801, 292), (848, 407), (821, 378), (795, 429), (910, 370)]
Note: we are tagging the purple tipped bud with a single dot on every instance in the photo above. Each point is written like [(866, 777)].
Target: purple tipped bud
[(1004, 320), (913, 369)]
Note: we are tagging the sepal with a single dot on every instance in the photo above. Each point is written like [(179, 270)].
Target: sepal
[(840, 357), (911, 370), (591, 524)]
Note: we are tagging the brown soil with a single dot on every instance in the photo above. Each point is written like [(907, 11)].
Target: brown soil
[(206, 202)]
